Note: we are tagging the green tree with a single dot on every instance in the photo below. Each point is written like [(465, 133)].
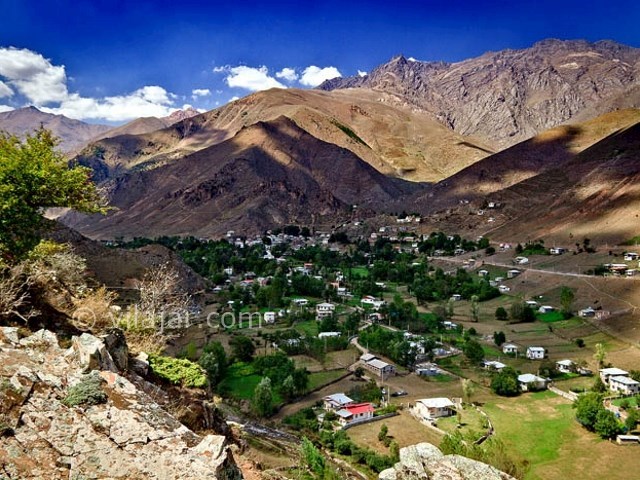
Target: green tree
[(607, 425), (475, 308), (473, 351), (566, 299), (499, 338), (243, 348), (34, 176), (384, 431), (214, 361), (288, 388), (633, 417), (505, 383), (312, 457), (600, 354), (468, 389), (263, 398), (501, 314), (587, 407)]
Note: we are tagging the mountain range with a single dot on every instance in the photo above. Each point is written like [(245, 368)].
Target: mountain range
[(539, 131)]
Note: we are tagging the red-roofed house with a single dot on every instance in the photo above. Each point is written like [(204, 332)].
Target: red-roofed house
[(355, 413)]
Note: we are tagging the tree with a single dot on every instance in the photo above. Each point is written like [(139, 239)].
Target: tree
[(214, 361), (33, 177), (505, 383), (288, 388), (598, 385), (473, 351), (607, 425), (600, 354), (358, 372), (243, 348), (566, 300), (633, 417), (312, 457), (501, 314), (587, 407), (468, 389), (499, 338), (263, 398), (475, 308), (384, 431), (161, 295)]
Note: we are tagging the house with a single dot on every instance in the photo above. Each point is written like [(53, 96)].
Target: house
[(630, 256), (536, 353), (607, 373), (337, 401), (355, 413), (269, 318), (372, 301), (324, 310), (624, 385), (509, 348), (521, 260), (530, 383), (587, 312), (504, 289), (546, 309), (375, 317), (513, 273), (531, 303), (456, 297), (627, 439), (426, 369), (329, 334), (557, 251), (449, 325), (380, 368), (493, 365), (430, 408), (565, 366), (300, 302), (367, 357), (483, 273)]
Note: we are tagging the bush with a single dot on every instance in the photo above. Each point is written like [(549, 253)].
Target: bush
[(178, 371), (87, 392)]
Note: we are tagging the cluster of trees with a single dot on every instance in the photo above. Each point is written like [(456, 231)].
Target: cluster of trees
[(449, 243), (393, 345), (428, 288), (505, 382), (592, 415), (279, 374)]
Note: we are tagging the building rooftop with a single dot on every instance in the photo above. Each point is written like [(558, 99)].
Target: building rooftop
[(440, 402)]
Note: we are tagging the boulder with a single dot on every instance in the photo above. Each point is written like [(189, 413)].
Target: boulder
[(92, 354)]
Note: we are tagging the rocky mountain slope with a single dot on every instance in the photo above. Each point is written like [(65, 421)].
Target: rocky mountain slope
[(270, 173), (143, 125), (73, 134), (125, 435), (394, 137), (509, 96)]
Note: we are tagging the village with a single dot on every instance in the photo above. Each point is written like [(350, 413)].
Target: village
[(422, 336)]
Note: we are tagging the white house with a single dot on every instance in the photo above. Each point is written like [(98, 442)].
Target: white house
[(546, 309), (426, 369), (624, 385), (531, 303), (565, 366), (521, 260), (301, 302), (367, 357), (456, 297), (372, 301), (513, 273), (504, 289), (337, 401), (557, 250), (383, 369), (529, 382), (430, 408), (329, 334), (324, 310), (269, 317), (607, 373), (509, 348), (493, 365), (630, 257), (587, 312), (536, 353)]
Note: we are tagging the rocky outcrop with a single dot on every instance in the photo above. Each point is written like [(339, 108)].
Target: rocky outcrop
[(127, 437), (426, 462)]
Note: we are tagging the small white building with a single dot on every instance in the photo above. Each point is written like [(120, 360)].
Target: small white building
[(587, 312), (529, 382), (513, 273), (269, 318), (430, 408), (504, 289), (509, 348), (381, 368), (300, 302), (324, 310), (367, 357), (546, 309), (536, 353), (565, 366), (355, 413), (630, 256), (493, 365), (607, 373), (336, 401), (624, 385), (329, 334)]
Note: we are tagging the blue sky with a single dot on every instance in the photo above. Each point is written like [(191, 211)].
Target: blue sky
[(111, 60)]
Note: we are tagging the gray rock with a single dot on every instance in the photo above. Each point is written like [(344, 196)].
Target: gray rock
[(91, 353)]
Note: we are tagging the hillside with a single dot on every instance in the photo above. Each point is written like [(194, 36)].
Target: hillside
[(509, 96), (143, 125), (395, 138), (73, 134), (547, 150), (270, 173)]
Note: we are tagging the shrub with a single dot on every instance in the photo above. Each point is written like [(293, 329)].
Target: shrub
[(178, 371), (87, 392)]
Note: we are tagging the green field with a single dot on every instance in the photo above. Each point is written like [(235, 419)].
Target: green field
[(317, 379), (240, 381), (308, 328), (550, 317), (633, 401), (360, 271)]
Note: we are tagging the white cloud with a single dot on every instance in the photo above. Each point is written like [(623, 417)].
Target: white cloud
[(361, 73), (220, 69), (148, 101), (288, 74), (313, 76), (33, 76), (5, 90), (200, 92), (6, 108), (250, 78), (411, 59)]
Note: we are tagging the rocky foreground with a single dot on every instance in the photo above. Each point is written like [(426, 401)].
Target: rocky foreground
[(126, 435), (426, 462)]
